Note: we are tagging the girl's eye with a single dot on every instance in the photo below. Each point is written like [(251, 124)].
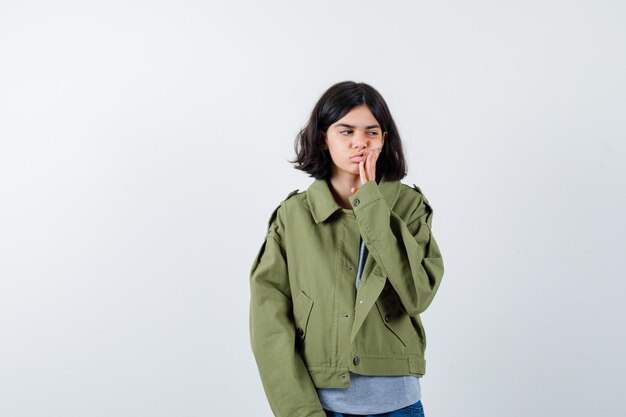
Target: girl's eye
[(372, 133), (345, 132)]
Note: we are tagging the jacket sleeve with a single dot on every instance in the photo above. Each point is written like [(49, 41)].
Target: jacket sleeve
[(286, 380), (406, 251)]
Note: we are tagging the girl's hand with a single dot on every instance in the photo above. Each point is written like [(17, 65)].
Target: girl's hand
[(367, 168)]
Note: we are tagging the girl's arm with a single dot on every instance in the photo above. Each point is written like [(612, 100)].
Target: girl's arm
[(286, 380), (406, 252)]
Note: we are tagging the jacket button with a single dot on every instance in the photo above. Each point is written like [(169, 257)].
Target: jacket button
[(357, 360), (356, 202), (388, 318), (300, 331)]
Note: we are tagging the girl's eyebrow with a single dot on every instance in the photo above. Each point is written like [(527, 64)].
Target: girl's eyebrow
[(352, 127)]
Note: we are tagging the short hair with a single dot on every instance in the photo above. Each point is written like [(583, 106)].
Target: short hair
[(334, 104)]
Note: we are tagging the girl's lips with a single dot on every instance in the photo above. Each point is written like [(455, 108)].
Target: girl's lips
[(357, 158)]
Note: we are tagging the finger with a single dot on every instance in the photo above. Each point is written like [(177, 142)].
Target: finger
[(362, 175), (375, 156), (371, 166)]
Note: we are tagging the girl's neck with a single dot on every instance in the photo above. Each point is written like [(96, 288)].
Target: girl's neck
[(340, 186)]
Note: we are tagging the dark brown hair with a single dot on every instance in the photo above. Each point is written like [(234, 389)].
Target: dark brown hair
[(335, 103)]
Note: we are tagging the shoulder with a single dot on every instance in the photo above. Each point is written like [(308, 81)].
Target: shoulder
[(272, 223), (412, 195), (413, 203)]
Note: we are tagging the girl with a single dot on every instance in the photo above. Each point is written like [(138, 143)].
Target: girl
[(344, 271)]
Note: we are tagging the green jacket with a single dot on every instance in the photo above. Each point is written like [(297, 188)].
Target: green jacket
[(308, 325)]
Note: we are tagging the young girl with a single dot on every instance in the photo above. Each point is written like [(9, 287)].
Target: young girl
[(344, 271)]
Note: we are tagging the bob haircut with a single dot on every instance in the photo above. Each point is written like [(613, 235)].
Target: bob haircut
[(335, 103)]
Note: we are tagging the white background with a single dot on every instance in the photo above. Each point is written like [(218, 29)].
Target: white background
[(144, 144)]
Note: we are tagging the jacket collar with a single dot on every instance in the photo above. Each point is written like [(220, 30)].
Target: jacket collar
[(323, 204)]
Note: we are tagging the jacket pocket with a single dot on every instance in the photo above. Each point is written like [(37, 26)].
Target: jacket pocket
[(396, 320), (302, 307)]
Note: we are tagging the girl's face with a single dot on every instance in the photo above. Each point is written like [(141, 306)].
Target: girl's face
[(351, 137)]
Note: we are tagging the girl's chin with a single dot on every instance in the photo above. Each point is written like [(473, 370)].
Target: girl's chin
[(347, 172), (353, 169)]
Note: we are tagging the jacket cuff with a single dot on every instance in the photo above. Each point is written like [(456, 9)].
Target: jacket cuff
[(367, 193)]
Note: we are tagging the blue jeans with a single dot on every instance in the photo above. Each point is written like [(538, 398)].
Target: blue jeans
[(415, 410)]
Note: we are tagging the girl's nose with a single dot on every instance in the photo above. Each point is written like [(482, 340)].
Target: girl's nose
[(360, 139)]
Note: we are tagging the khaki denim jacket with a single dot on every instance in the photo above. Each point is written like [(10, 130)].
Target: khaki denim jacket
[(309, 326)]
